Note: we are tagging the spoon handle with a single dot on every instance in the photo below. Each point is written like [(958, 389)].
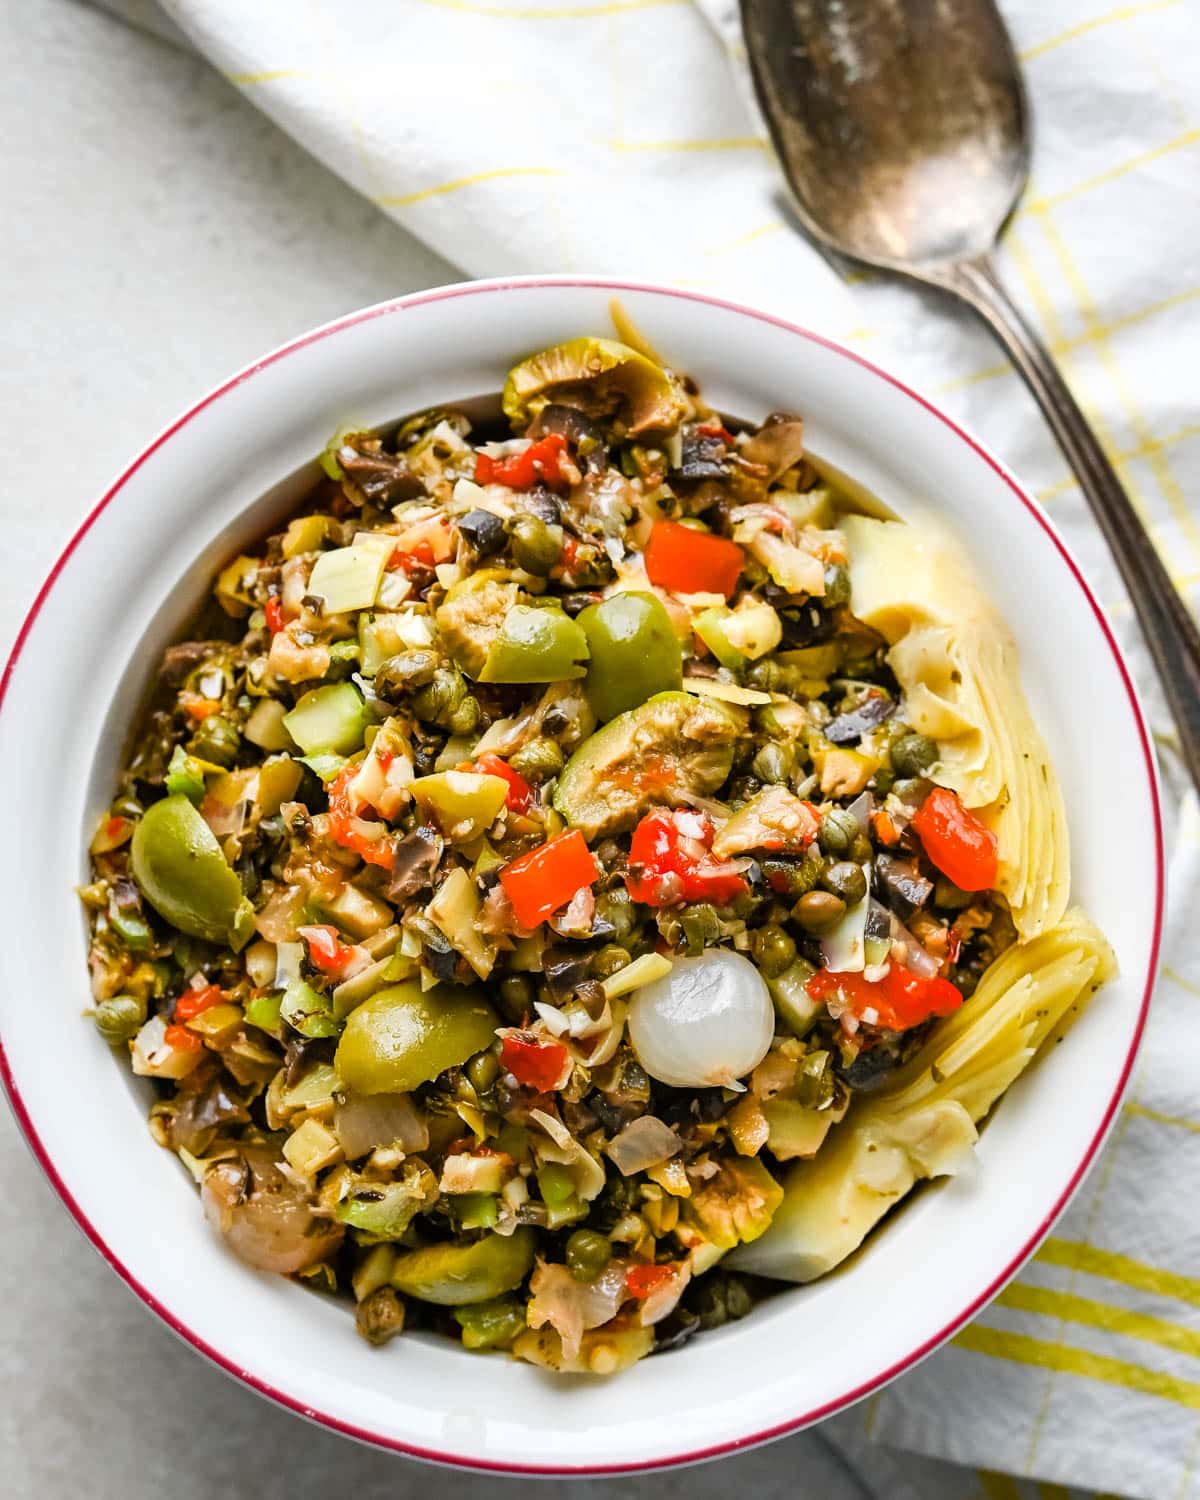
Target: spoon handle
[(1169, 628)]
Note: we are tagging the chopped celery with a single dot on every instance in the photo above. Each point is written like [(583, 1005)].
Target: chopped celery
[(329, 718), (263, 1011), (185, 775), (348, 578), (308, 1011), (265, 727)]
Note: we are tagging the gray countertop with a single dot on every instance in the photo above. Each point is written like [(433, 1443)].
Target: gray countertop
[(160, 233)]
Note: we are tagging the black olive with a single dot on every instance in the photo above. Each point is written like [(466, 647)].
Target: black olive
[(483, 530)]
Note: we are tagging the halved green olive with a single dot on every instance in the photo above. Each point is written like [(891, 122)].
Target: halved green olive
[(404, 1036), (536, 645), (453, 1275), (633, 652), (603, 378), (181, 871)]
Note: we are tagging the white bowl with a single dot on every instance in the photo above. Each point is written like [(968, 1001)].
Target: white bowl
[(130, 577)]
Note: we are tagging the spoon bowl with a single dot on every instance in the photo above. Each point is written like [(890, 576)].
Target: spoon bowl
[(903, 130)]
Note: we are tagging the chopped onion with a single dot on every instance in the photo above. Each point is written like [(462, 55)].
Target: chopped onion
[(363, 1122), (572, 1307), (705, 1024), (552, 1018), (860, 811), (644, 1143)]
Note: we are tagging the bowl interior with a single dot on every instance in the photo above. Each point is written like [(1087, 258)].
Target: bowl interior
[(131, 579)]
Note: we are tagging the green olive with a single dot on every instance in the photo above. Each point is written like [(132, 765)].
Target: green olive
[(773, 950), (536, 645), (483, 1070), (181, 871), (536, 544), (452, 1275), (404, 1036), (120, 1019), (845, 879), (588, 1252), (635, 653), (913, 754), (837, 831), (819, 911)]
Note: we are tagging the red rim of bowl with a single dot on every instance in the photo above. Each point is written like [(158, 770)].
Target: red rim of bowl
[(805, 1419)]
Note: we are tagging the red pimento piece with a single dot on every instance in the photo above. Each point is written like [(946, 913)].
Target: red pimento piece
[(520, 793), (326, 949), (521, 471), (180, 1039), (543, 881), (273, 609), (897, 1002), (420, 556), (963, 848), (688, 561), (711, 430), (640, 1281), (535, 1063), (193, 1003), (670, 861), (341, 823)]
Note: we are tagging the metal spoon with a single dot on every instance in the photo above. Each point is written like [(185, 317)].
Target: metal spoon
[(903, 130)]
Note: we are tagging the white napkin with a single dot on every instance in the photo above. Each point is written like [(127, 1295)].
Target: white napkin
[(619, 136)]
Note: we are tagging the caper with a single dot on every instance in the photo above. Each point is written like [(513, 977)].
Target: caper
[(405, 672), (819, 911), (837, 585), (912, 789), (837, 831), (861, 849), (538, 760), (588, 1252), (791, 877), (913, 754), (483, 1070), (701, 926), (120, 1019), (773, 950), (438, 699), (609, 960), (465, 717), (616, 910), (216, 740), (765, 675), (380, 1316), (774, 763), (516, 996), (845, 879), (536, 544), (720, 1298)]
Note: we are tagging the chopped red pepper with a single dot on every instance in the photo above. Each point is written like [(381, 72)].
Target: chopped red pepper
[(670, 861), (325, 948), (180, 1039), (534, 1063), (420, 556), (198, 708), (543, 881), (714, 431), (884, 828), (194, 1002), (521, 471), (273, 609), (115, 828), (900, 1000), (640, 1281), (688, 561), (341, 823), (520, 793), (963, 848)]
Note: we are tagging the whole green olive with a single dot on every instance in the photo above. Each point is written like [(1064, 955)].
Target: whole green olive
[(404, 1036), (634, 653)]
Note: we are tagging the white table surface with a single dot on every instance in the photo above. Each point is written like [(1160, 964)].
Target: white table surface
[(159, 233)]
